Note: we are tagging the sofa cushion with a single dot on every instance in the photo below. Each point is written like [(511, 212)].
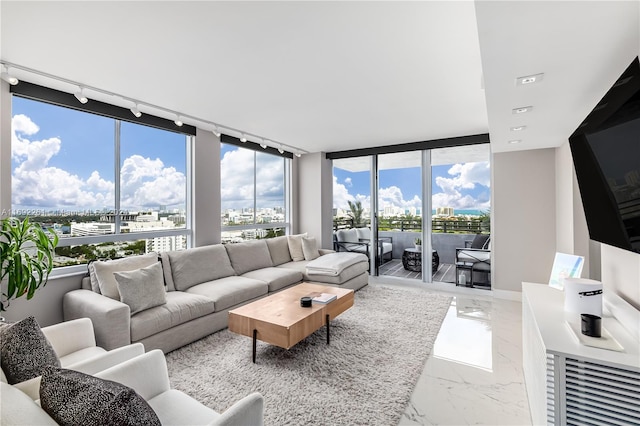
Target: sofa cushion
[(276, 278), (25, 351), (143, 288), (347, 273), (181, 307), (198, 265), (249, 256), (310, 248), (228, 292), (279, 250), (347, 235), (71, 398), (103, 271), (295, 246)]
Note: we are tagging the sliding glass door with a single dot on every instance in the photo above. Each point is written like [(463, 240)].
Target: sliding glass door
[(427, 206), (461, 199)]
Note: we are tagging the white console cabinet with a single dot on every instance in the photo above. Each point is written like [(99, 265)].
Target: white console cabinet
[(567, 382)]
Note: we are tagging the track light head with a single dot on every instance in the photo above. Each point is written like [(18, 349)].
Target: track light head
[(135, 111), (6, 76), (178, 122), (80, 96), (298, 154), (263, 145), (216, 131), (243, 138), (280, 149)]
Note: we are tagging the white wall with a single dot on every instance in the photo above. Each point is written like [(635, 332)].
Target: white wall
[(205, 191), (315, 198), (524, 217), (5, 149), (572, 234)]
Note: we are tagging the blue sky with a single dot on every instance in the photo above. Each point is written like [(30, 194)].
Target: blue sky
[(463, 186), (64, 159)]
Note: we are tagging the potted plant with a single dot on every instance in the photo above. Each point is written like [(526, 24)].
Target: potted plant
[(26, 258), (418, 243)]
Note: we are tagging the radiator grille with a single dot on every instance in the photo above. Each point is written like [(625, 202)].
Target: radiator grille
[(597, 394), (551, 394)]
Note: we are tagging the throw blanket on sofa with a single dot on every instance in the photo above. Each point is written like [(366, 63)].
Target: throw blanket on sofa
[(334, 263)]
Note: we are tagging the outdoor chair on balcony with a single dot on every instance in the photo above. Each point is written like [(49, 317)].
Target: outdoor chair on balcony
[(359, 240), (475, 257)]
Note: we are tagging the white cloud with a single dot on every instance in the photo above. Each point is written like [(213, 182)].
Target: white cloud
[(341, 196), (465, 177), (22, 124), (148, 183), (36, 184), (348, 182), (236, 173)]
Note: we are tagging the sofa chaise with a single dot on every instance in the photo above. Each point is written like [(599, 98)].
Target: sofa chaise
[(187, 295)]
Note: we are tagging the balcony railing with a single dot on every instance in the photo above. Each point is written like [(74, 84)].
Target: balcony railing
[(480, 225)]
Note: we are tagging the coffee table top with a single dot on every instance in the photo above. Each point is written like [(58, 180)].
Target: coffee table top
[(283, 308)]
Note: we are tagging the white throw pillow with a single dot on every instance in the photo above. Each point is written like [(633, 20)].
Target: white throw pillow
[(143, 288), (104, 270), (310, 248), (295, 246)]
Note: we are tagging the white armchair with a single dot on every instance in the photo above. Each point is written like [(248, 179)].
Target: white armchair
[(147, 374), (75, 344)]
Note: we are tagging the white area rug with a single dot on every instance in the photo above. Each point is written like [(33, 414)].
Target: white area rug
[(364, 377)]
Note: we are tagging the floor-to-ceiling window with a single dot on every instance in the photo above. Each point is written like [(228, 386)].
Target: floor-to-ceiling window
[(351, 193), (461, 200), (254, 194), (64, 168), (431, 205)]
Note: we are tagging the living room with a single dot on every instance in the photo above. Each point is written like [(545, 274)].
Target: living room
[(314, 78)]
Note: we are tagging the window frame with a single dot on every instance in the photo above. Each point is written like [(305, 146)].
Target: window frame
[(287, 158), (61, 99)]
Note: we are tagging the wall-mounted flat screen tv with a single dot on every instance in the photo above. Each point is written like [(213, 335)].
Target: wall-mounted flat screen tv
[(606, 157)]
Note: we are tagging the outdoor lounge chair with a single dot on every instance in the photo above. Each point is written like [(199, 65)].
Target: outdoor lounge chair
[(359, 240), (475, 258)]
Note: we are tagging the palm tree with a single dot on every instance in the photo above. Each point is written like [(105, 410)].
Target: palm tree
[(356, 213)]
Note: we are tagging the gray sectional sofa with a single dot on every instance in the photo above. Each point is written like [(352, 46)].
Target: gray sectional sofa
[(199, 286)]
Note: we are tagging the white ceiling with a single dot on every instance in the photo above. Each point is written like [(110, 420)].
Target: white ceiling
[(329, 76)]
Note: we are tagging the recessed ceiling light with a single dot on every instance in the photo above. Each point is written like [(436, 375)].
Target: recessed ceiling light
[(522, 110), (518, 128), (515, 141), (529, 79)]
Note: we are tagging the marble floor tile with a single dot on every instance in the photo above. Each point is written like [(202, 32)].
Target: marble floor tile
[(474, 373)]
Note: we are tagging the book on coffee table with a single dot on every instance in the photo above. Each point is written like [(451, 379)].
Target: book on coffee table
[(323, 297)]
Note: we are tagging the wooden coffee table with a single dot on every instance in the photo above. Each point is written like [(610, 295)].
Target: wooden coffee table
[(281, 321)]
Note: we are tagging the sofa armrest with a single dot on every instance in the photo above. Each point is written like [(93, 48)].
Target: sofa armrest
[(111, 318), (146, 374), (108, 359), (325, 251), (91, 366), (71, 336), (30, 387), (19, 409), (248, 411)]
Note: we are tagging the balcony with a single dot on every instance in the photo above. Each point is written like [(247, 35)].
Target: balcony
[(447, 235)]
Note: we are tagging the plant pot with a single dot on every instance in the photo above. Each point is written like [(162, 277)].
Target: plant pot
[(418, 247)]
